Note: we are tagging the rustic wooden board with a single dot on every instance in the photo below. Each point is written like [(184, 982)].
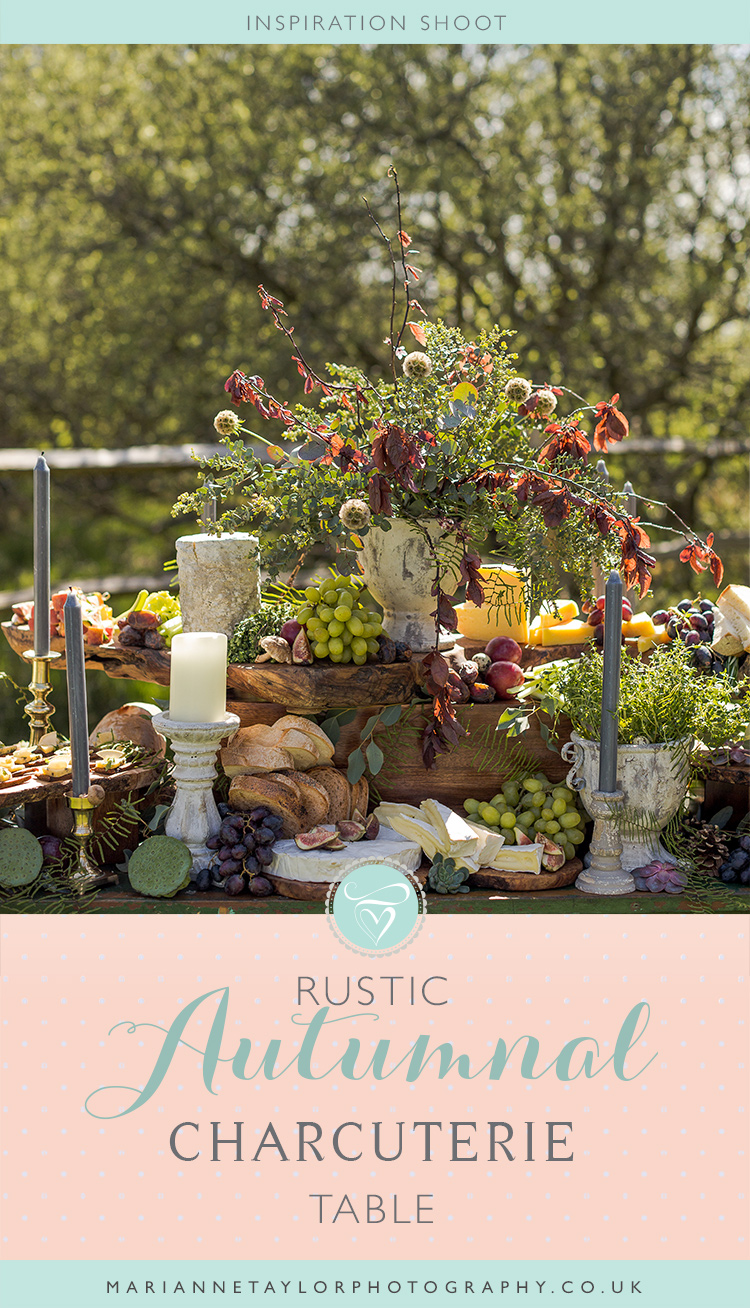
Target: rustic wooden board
[(317, 891), (474, 769), (531, 655), (38, 791), (488, 879), (314, 688)]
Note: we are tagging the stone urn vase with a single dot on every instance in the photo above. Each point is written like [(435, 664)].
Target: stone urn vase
[(399, 570), (654, 782)]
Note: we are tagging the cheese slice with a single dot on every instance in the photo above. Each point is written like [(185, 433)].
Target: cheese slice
[(570, 633), (412, 829), (641, 624), (661, 635), (322, 865), (567, 610), (535, 632), (519, 858), (504, 610), (490, 844)]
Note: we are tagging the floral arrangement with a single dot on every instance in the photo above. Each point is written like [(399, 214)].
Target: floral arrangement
[(452, 433)]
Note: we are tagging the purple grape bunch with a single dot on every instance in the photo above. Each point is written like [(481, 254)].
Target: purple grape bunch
[(243, 848), (657, 877), (692, 622), (735, 870)]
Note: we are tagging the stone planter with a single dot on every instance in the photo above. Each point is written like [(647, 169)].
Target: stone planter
[(219, 580), (399, 571), (654, 781)]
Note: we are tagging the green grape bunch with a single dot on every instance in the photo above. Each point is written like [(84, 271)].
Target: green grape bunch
[(339, 626)]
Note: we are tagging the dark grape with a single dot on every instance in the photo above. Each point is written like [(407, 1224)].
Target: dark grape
[(230, 866), (660, 617), (213, 842), (225, 852), (739, 860), (728, 875), (745, 876), (275, 822), (684, 605), (249, 842), (234, 885), (260, 887), (264, 855), (223, 809), (672, 629), (703, 657), (235, 820), (203, 879), (265, 836), (706, 606), (692, 638), (258, 814), (745, 843), (698, 622), (599, 635), (238, 852), (595, 618), (228, 835), (251, 864)]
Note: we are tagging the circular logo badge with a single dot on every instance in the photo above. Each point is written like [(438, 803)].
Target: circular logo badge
[(375, 909)]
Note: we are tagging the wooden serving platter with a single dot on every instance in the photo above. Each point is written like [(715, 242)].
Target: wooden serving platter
[(317, 891), (312, 688), (36, 790), (488, 879)]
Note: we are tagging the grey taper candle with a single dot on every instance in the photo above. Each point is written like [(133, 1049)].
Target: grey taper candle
[(611, 688), (41, 557), (77, 707)]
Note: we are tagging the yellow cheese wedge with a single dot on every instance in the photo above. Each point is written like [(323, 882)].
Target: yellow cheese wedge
[(503, 612), (645, 643), (641, 624), (570, 633), (660, 636), (567, 610), (535, 633)]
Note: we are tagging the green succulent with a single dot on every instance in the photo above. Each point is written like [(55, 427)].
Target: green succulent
[(447, 877)]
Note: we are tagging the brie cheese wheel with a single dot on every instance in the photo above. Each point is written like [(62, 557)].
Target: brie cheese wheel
[(327, 864)]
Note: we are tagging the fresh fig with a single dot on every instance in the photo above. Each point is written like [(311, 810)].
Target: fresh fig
[(521, 837), (337, 844), (129, 638), (350, 831), (290, 631), (372, 828), (553, 857), (357, 817), (318, 838), (152, 639), (143, 620), (301, 652), (403, 652), (469, 672), (387, 652), (481, 693)]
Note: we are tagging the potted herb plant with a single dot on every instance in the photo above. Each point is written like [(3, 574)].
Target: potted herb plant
[(406, 475), (667, 708)]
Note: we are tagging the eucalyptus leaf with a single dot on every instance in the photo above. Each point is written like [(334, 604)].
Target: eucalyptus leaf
[(356, 767), (332, 728), (375, 758), (390, 715)]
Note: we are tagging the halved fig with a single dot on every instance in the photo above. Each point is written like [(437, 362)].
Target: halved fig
[(372, 828), (318, 838), (337, 844), (553, 857), (357, 817), (301, 652), (350, 830), (521, 837)]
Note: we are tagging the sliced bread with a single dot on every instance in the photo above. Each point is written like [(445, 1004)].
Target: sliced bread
[(338, 790), (247, 793), (315, 799), (292, 722), (246, 756)]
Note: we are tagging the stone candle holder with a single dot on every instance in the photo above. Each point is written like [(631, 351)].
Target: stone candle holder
[(605, 874), (194, 817)]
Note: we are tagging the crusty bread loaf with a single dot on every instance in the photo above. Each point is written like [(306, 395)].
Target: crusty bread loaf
[(338, 790), (308, 728), (244, 754), (288, 779), (247, 793), (360, 797), (314, 798)]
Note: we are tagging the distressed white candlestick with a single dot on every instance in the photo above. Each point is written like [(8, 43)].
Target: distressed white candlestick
[(198, 677), (219, 580), (194, 817)]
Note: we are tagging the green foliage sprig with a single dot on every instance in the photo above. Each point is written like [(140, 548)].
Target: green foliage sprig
[(662, 699)]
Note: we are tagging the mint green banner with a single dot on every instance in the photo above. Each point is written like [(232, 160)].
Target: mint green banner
[(397, 22), (347, 1284)]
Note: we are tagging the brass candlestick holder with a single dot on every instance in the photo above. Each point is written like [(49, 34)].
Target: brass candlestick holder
[(39, 711), (88, 875)]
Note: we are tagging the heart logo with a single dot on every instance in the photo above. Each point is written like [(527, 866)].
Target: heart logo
[(370, 928)]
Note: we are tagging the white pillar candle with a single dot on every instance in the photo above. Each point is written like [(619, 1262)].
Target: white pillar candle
[(198, 677)]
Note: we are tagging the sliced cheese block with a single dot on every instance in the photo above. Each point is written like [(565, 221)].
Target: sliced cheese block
[(570, 633), (726, 641), (504, 610), (535, 632), (734, 604), (567, 610), (490, 844), (641, 624), (412, 829), (519, 858), (327, 864), (661, 635), (645, 643)]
